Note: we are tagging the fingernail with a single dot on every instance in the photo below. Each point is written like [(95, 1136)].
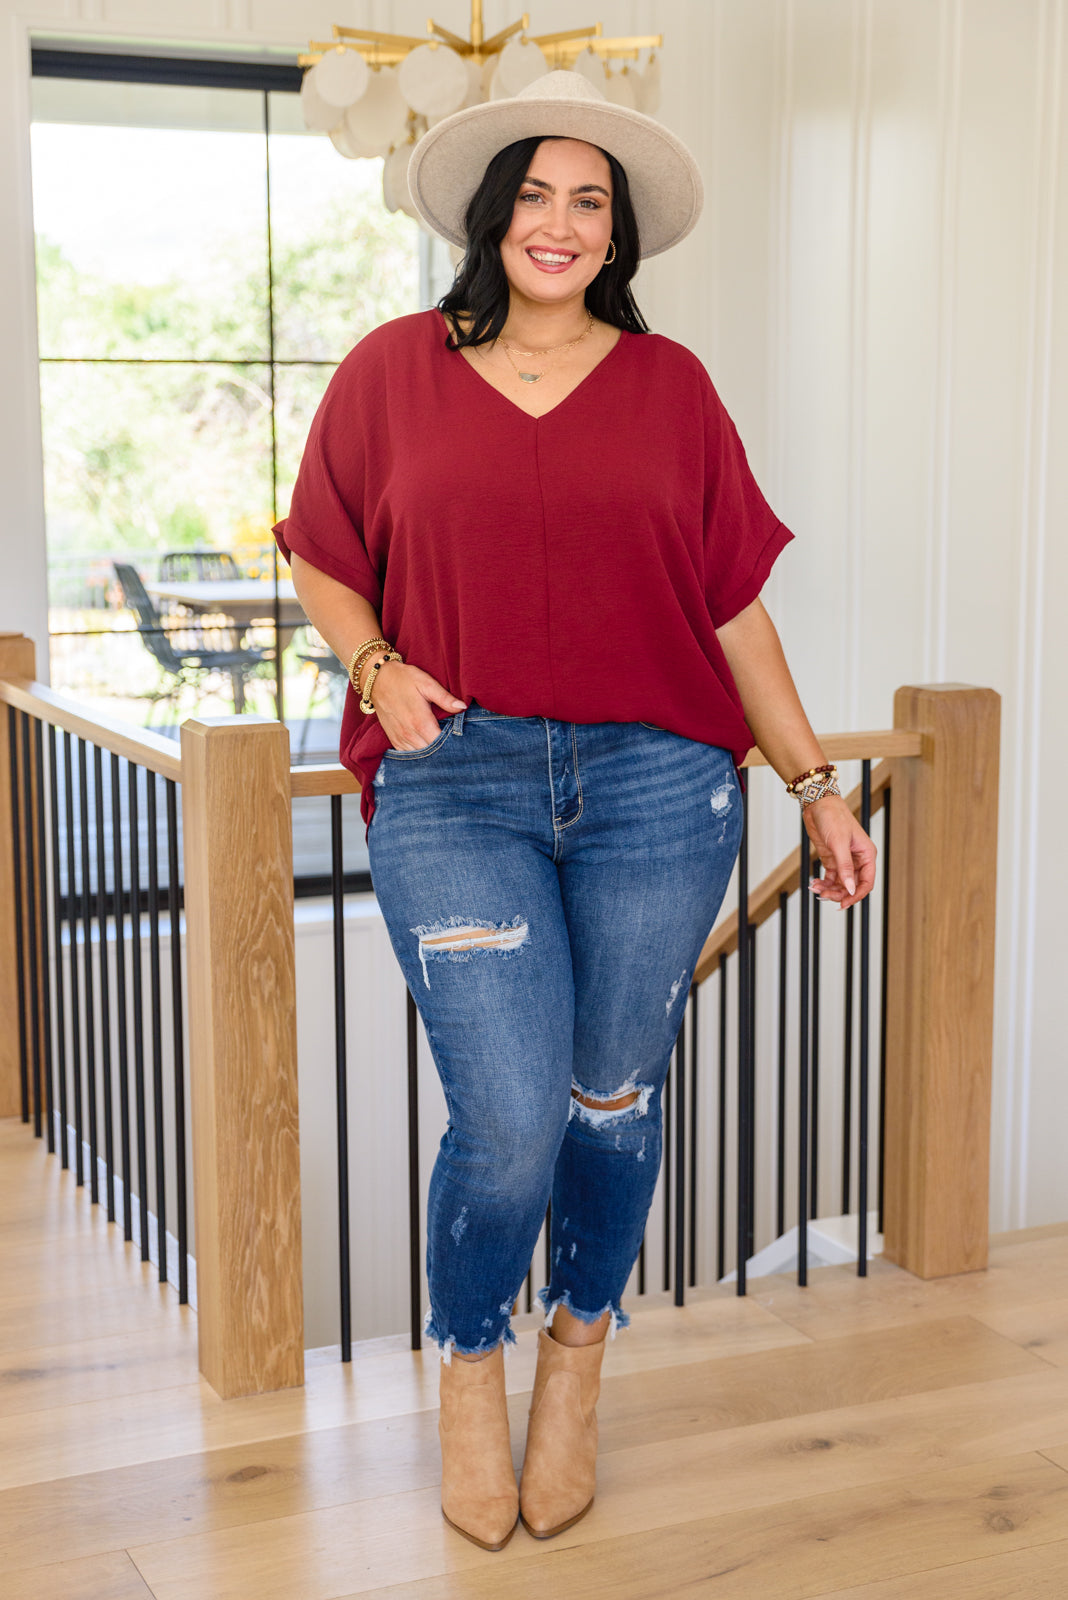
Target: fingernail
[(850, 885)]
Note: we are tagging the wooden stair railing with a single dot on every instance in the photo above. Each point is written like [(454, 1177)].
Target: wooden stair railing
[(237, 789)]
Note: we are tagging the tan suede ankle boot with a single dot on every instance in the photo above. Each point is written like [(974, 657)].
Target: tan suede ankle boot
[(560, 1468), (478, 1491)]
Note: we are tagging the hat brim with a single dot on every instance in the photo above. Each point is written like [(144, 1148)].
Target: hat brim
[(449, 161)]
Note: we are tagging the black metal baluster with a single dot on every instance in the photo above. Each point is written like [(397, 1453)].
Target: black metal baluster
[(87, 964), (117, 879), (752, 1152), (155, 989), (680, 1165), (43, 944), (104, 978), (883, 976), (529, 1289), (862, 1097), (174, 909), (31, 781), (742, 1231), (57, 937), (415, 1276), (667, 1124), (814, 1056), (847, 1069), (780, 1121), (721, 1128), (72, 963), (20, 954), (695, 994), (341, 1082), (802, 1076), (137, 967)]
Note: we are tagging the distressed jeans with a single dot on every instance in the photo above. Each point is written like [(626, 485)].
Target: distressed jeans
[(547, 887)]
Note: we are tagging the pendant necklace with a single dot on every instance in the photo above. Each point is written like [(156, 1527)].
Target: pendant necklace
[(557, 349)]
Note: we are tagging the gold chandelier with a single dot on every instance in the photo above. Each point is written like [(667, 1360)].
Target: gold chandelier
[(374, 93)]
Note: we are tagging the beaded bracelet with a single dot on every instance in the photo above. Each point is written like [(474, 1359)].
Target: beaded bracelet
[(813, 772), (366, 705), (358, 657)]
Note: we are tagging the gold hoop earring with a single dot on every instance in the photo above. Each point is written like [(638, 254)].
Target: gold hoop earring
[(609, 259)]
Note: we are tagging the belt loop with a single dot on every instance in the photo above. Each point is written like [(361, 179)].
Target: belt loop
[(458, 722)]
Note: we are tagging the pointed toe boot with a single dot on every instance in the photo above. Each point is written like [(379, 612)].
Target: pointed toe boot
[(478, 1490), (560, 1468)]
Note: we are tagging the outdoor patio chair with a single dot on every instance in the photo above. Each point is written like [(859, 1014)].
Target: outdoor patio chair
[(328, 670), (197, 566), (185, 653)]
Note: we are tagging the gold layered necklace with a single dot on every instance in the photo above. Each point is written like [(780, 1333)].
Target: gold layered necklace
[(555, 350)]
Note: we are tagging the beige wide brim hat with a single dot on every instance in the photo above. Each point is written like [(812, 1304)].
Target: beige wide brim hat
[(448, 163)]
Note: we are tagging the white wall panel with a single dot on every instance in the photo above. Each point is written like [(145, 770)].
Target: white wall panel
[(900, 356)]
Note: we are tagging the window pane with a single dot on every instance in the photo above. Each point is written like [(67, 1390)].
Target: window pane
[(342, 263), (151, 240)]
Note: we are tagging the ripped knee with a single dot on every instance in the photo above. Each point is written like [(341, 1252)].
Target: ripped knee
[(629, 1102)]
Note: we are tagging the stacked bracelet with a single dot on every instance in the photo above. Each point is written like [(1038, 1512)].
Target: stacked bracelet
[(366, 705), (359, 656), (808, 787)]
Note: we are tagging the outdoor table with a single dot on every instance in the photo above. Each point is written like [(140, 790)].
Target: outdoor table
[(244, 601)]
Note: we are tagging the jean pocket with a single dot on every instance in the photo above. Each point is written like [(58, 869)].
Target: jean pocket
[(427, 749), (652, 726)]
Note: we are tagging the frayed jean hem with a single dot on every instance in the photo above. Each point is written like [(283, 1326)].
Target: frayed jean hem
[(617, 1318), (447, 1342)]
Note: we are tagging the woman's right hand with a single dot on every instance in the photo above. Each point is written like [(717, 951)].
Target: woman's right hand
[(403, 698)]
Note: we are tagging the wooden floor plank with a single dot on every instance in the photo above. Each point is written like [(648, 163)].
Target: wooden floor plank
[(112, 1576), (1039, 1574), (46, 1377), (892, 1531), (1042, 1329)]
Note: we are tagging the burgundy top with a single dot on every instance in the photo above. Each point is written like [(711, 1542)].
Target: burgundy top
[(573, 566)]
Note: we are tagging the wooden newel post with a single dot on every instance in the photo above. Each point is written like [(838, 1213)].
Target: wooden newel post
[(243, 1053), (17, 660), (940, 1001)]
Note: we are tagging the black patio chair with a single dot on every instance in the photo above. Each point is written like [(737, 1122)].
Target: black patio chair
[(185, 653), (328, 670), (197, 566)]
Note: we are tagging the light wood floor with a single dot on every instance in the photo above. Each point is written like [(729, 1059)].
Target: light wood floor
[(863, 1440)]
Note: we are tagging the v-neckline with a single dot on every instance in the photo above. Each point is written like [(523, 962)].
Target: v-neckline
[(513, 405)]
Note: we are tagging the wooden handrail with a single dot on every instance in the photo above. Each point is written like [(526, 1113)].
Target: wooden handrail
[(333, 779), (306, 781), (857, 746), (139, 745), (764, 900)]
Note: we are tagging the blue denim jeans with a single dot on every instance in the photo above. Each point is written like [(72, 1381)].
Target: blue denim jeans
[(547, 887)]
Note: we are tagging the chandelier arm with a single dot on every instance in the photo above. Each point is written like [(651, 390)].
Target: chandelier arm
[(392, 41), (491, 46), (581, 35), (462, 46)]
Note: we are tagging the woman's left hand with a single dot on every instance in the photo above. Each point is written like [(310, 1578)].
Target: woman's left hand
[(847, 854)]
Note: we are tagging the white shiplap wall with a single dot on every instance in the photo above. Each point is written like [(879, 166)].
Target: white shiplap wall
[(879, 286)]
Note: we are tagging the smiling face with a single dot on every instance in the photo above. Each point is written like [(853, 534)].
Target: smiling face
[(562, 223)]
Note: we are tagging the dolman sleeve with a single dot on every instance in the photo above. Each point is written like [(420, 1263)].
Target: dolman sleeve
[(327, 514), (743, 536)]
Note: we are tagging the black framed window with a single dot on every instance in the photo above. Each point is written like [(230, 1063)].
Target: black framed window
[(204, 263)]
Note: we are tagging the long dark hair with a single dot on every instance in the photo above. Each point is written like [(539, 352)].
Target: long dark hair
[(480, 288)]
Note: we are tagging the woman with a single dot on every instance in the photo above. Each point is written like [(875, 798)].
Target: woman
[(529, 528)]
